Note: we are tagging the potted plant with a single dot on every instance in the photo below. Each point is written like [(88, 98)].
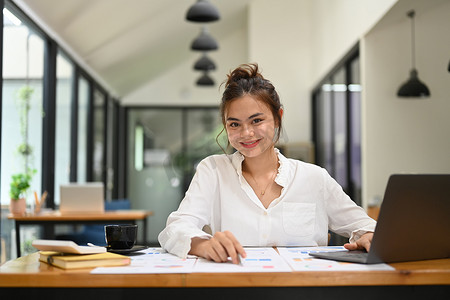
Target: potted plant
[(19, 186), (20, 182)]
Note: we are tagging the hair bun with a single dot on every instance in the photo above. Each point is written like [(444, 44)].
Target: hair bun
[(244, 71)]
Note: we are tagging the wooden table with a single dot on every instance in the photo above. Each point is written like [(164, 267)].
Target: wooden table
[(411, 280), (51, 218)]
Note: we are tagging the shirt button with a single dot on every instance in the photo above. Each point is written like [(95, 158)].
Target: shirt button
[(265, 213)]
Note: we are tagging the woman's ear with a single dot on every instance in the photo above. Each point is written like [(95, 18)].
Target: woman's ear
[(280, 113)]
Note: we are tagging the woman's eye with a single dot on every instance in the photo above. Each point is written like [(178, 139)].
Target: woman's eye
[(256, 121), (233, 124)]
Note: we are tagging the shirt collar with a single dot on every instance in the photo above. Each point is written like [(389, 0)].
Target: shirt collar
[(284, 173)]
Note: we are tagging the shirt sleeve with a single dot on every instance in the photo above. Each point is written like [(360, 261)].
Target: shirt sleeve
[(193, 213), (345, 217)]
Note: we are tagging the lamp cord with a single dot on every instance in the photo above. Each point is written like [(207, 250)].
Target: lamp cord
[(411, 14)]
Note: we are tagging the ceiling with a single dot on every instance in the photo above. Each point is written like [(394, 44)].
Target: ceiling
[(126, 44)]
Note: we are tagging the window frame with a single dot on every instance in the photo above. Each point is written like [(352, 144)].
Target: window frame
[(52, 48), (345, 63)]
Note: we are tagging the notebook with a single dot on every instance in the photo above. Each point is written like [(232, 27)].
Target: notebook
[(78, 261), (66, 247), (413, 223), (82, 198)]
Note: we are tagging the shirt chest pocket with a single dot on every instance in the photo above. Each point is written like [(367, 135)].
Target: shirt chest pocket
[(299, 218)]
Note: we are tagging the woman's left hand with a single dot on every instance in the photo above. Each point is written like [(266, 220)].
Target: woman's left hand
[(362, 243)]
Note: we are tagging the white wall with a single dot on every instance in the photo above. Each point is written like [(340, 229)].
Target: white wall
[(296, 42), (277, 35), (336, 27), (405, 135)]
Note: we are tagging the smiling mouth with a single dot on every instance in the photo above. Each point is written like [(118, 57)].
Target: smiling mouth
[(250, 144)]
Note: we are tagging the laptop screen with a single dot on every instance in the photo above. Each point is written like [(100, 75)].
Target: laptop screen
[(414, 221), (82, 198)]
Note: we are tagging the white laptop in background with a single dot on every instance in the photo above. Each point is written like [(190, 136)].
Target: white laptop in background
[(82, 198)]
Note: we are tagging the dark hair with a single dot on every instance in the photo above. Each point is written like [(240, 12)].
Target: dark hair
[(247, 80)]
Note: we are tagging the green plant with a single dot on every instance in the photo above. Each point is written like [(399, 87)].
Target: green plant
[(20, 183)]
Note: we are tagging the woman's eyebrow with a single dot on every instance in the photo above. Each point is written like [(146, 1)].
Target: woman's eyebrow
[(255, 115), (251, 117)]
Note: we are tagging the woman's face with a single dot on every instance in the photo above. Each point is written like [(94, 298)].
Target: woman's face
[(250, 126)]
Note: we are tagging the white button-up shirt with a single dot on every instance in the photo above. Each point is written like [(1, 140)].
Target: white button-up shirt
[(311, 203)]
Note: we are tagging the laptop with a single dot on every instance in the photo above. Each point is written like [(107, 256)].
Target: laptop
[(413, 223), (78, 198)]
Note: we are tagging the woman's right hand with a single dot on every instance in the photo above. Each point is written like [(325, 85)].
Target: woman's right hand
[(218, 248)]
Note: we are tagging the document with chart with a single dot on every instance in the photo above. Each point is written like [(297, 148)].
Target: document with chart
[(257, 260), (152, 261), (300, 260)]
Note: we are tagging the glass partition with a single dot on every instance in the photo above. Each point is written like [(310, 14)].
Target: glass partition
[(22, 110), (98, 167), (340, 128), (164, 146), (337, 127), (83, 108), (22, 120), (64, 82)]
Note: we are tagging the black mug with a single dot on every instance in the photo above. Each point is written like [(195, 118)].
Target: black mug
[(122, 236)]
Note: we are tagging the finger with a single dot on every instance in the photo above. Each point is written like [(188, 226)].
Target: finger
[(351, 246), (218, 251), (235, 248), (228, 241)]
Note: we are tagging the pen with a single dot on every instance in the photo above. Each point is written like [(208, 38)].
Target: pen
[(43, 197), (36, 200), (240, 260)]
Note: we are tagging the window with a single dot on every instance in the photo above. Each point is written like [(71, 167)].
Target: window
[(64, 83), (336, 124), (112, 139), (22, 112), (98, 151), (164, 146), (54, 125), (82, 148), (336, 104)]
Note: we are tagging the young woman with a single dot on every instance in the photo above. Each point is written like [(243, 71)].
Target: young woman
[(256, 196)]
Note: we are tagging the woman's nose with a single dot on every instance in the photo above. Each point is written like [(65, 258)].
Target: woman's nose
[(247, 131)]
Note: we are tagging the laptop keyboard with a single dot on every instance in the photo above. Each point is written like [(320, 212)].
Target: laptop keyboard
[(349, 256)]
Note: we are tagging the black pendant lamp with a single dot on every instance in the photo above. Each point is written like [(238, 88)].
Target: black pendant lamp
[(202, 11), (413, 88), (204, 64), (205, 80), (204, 42)]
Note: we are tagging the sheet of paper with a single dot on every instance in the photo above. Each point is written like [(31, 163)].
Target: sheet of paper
[(151, 261), (300, 260), (257, 260)]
